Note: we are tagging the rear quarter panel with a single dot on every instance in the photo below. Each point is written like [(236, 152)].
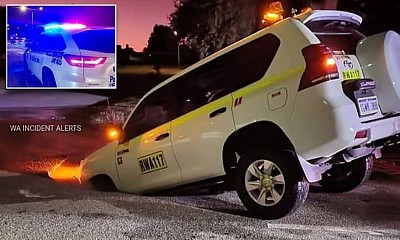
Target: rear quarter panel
[(273, 97)]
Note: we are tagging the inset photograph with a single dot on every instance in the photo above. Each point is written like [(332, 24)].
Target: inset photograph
[(61, 46)]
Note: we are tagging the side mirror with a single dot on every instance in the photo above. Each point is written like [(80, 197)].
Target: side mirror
[(27, 45)]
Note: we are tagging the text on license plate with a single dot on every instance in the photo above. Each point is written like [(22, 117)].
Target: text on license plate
[(367, 105), (351, 74)]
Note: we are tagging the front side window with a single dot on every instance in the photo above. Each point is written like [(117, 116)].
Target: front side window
[(157, 109), (37, 43), (53, 42)]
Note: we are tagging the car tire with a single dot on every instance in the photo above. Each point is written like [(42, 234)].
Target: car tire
[(276, 176), (48, 78), (347, 176)]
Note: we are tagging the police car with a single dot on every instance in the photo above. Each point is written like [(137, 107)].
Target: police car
[(306, 100), (73, 56)]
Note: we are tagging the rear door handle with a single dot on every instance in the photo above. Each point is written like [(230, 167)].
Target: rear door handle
[(217, 112), (162, 136)]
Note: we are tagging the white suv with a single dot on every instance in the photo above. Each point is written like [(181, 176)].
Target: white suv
[(308, 99), (73, 58)]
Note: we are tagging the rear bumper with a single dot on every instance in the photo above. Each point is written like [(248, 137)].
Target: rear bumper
[(383, 131), (325, 121), (101, 82), (69, 79)]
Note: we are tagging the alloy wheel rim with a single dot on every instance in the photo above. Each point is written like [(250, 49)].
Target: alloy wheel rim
[(264, 182)]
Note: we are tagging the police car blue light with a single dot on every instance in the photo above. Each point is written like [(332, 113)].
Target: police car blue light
[(65, 26)]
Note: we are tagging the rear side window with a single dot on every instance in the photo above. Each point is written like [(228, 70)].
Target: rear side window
[(337, 35), (53, 42), (243, 65), (99, 40), (227, 73)]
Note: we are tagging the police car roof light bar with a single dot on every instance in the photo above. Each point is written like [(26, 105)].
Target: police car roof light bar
[(65, 26)]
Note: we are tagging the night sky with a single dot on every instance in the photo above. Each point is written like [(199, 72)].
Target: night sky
[(135, 21)]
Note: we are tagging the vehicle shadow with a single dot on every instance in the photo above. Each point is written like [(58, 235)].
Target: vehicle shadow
[(376, 176), (217, 198), (375, 203)]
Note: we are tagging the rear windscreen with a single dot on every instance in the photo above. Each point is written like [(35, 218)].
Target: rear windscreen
[(337, 35), (96, 40)]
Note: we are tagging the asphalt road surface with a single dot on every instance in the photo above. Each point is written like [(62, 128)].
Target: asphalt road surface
[(35, 207), (16, 70)]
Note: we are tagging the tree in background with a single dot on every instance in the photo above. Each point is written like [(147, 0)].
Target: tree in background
[(162, 39), (210, 25), (163, 47)]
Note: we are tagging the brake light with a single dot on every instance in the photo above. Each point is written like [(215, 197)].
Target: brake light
[(320, 66), (84, 61)]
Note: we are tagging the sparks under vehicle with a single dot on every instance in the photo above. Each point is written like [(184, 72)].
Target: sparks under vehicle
[(306, 100), (73, 56)]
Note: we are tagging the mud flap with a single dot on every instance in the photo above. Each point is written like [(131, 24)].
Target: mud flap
[(313, 172)]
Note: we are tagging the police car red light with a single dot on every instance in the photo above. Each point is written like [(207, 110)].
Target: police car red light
[(84, 61)]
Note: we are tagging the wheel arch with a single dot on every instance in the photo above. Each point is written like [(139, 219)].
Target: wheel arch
[(102, 182), (253, 137), (46, 70)]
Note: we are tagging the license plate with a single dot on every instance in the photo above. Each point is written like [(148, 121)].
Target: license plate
[(351, 74), (367, 105)]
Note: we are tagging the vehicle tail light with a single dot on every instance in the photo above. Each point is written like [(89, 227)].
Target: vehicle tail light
[(84, 61), (320, 66), (361, 134)]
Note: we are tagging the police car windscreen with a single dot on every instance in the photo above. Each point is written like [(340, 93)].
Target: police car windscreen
[(337, 35), (99, 40)]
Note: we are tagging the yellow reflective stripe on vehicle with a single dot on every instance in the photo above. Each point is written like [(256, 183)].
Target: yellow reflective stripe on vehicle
[(150, 135), (136, 140), (206, 109), (267, 81), (226, 101)]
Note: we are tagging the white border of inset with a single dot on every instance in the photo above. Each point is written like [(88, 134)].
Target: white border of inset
[(66, 5)]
